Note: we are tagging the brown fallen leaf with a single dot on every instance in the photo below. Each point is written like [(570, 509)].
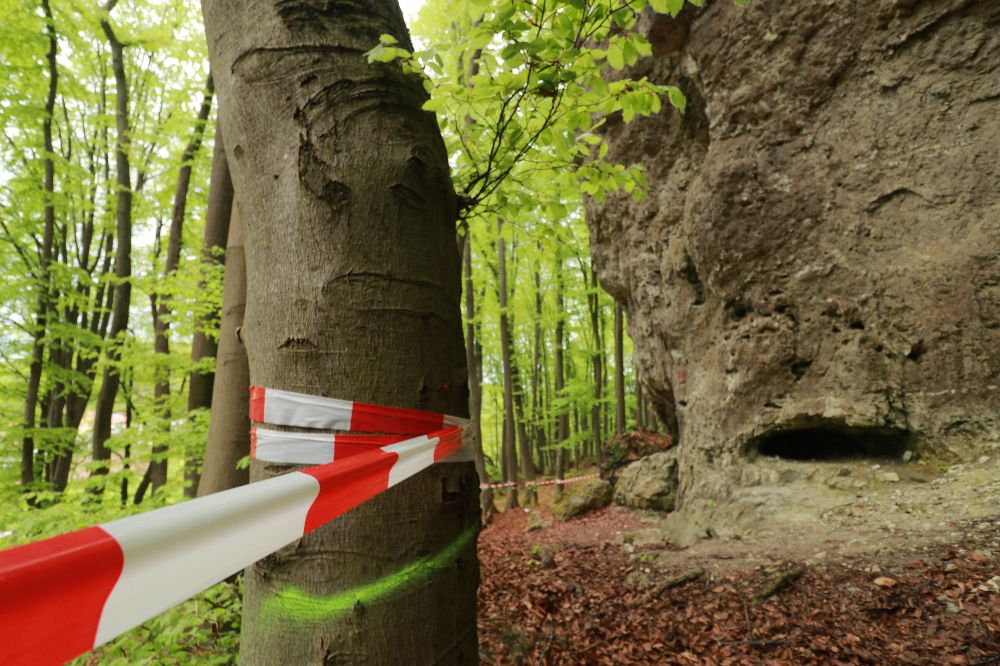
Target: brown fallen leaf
[(884, 581)]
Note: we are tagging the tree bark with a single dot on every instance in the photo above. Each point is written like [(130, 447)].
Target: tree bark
[(593, 299), (354, 292), (123, 257), (161, 309), (475, 385), (509, 447), (203, 346), (619, 371), (229, 428), (562, 420), (537, 378), (48, 235), (640, 403)]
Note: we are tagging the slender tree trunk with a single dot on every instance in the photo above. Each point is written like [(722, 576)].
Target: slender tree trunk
[(562, 420), (548, 433), (353, 291), (161, 309), (640, 415), (509, 446), (48, 236), (537, 378), (475, 386), (619, 371), (123, 257), (595, 409), (524, 446), (229, 428), (605, 375), (521, 430), (203, 346)]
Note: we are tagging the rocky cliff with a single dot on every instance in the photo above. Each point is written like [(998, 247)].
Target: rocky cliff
[(816, 270)]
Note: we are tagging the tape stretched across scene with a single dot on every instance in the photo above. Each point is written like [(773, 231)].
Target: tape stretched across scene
[(546, 482), (63, 596)]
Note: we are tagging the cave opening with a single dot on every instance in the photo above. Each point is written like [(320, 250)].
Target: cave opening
[(833, 442)]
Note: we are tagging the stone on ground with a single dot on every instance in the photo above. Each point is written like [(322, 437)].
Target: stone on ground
[(582, 497), (650, 483)]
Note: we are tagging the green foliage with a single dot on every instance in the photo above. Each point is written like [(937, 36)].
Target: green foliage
[(524, 87)]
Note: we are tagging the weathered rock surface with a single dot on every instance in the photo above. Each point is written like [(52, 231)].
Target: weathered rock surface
[(582, 497), (650, 483), (816, 271)]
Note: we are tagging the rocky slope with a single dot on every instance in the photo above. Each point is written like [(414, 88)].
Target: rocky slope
[(816, 272)]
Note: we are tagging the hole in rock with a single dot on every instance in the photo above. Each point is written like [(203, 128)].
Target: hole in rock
[(834, 442), (916, 351)]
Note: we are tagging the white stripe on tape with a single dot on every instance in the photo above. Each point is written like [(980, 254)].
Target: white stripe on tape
[(414, 455), (177, 551), (307, 411), (303, 448)]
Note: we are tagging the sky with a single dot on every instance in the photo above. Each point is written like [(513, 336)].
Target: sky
[(410, 10)]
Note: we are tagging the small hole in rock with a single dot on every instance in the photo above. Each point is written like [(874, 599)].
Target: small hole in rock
[(916, 351), (857, 325), (737, 309), (799, 368), (834, 442)]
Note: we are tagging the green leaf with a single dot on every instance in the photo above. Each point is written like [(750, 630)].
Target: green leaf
[(616, 58), (433, 104), (630, 53), (677, 99), (599, 85), (672, 7), (387, 39)]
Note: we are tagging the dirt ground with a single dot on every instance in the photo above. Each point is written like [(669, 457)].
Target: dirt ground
[(819, 563)]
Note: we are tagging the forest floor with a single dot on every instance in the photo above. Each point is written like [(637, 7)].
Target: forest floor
[(608, 588)]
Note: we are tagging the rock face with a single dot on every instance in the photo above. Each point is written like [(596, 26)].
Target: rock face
[(816, 272), (584, 496), (650, 483)]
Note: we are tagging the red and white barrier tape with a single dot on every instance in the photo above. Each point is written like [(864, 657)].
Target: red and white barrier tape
[(287, 408), (63, 596), (548, 482)]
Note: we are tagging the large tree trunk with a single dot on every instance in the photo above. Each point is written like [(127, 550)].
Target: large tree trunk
[(123, 257), (509, 447), (48, 235), (353, 291), (475, 386), (229, 428), (161, 309), (203, 346)]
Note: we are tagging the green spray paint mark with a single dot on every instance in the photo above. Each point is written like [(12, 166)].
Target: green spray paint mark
[(297, 604)]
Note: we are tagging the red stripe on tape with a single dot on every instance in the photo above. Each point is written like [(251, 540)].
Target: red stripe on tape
[(397, 420), (346, 446), (257, 403), (345, 484), (450, 441), (50, 612)]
